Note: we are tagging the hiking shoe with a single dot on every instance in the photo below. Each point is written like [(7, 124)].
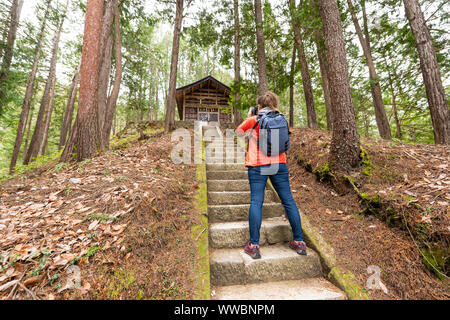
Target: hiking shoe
[(299, 247), (252, 251)]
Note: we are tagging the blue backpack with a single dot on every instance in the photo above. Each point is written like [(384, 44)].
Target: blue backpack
[(268, 123)]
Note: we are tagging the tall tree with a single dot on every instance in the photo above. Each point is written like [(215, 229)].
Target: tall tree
[(261, 51), (318, 39), (68, 114), (345, 146), (84, 134), (304, 69), (291, 88), (112, 99), (380, 112), (38, 140), (29, 91), (106, 46), (169, 122), (437, 101), (15, 11), (237, 65)]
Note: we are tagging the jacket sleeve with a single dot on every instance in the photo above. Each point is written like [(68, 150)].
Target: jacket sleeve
[(246, 125)]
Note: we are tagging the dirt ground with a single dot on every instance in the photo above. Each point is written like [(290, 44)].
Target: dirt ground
[(120, 223), (361, 239)]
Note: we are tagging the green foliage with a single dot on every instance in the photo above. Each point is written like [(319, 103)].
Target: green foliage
[(323, 173), (365, 161), (207, 47), (436, 260)]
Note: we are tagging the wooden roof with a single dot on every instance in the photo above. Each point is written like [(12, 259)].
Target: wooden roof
[(207, 82)]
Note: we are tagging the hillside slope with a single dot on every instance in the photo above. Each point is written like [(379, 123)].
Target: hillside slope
[(124, 218), (392, 214)]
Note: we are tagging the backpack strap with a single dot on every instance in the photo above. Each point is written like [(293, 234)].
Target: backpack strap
[(251, 134)]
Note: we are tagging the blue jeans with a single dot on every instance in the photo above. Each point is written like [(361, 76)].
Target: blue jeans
[(280, 181)]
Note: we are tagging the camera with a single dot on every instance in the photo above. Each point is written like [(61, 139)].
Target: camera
[(253, 111)]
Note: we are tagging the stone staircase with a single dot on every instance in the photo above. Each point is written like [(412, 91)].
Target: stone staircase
[(281, 273)]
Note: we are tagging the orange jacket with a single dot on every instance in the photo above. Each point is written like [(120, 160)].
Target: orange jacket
[(255, 157)]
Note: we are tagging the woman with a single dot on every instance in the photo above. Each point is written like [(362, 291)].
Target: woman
[(256, 162)]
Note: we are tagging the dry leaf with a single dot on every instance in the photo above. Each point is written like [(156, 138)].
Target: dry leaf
[(85, 288), (32, 281), (94, 225)]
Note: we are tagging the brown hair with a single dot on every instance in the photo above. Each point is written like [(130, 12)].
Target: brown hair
[(269, 100)]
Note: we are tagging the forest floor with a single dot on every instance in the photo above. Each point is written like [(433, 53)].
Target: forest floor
[(120, 222), (366, 222)]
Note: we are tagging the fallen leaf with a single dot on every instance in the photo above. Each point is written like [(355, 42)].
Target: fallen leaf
[(32, 281), (128, 256), (85, 288), (94, 225)]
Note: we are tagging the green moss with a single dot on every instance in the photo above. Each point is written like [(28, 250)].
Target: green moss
[(323, 173), (436, 260), (318, 243), (119, 283), (348, 282), (366, 163), (200, 236)]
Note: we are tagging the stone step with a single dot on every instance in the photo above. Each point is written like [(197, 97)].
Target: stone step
[(278, 263), (226, 175), (226, 167), (228, 213), (236, 234), (228, 185), (305, 289), (236, 197), (224, 160)]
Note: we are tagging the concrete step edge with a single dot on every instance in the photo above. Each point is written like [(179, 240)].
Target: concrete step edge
[(304, 289)]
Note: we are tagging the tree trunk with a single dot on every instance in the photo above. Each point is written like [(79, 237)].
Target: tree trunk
[(112, 99), (380, 112), (440, 115), (291, 89), (16, 9), (304, 69), (323, 65), (345, 147), (28, 95), (46, 106), (149, 103), (398, 133), (169, 122), (106, 47), (48, 118), (237, 66), (27, 138), (318, 38), (84, 136), (68, 115), (262, 64), (157, 103)]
